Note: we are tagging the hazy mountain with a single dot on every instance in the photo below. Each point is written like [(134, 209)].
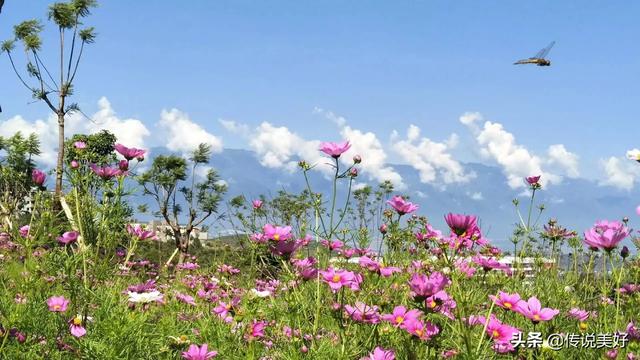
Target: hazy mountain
[(576, 203)]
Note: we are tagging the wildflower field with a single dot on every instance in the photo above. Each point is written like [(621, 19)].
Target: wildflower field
[(304, 281)]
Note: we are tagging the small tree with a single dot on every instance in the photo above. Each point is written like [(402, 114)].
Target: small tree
[(67, 17), (165, 180)]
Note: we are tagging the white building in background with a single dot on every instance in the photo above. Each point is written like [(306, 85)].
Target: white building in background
[(164, 232)]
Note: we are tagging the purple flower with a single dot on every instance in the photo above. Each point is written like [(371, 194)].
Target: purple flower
[(38, 177), (533, 180), (130, 153)]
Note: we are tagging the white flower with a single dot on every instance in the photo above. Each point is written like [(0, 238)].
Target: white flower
[(144, 298), (261, 294), (568, 289), (634, 154)]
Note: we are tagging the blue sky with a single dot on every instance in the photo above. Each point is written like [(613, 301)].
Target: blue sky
[(383, 65)]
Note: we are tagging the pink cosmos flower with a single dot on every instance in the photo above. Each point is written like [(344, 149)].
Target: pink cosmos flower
[(76, 328), (362, 312), (277, 233), (68, 237), (334, 149), (196, 352), (380, 354), (578, 314), (532, 309), (633, 331), (130, 153), (57, 304), (257, 204), (332, 245), (123, 165), (442, 303), (462, 225), (400, 316), (488, 263), (256, 330), (505, 300), (429, 234), (38, 177), (499, 332), (105, 172), (285, 248), (379, 268), (306, 267), (533, 180), (139, 232), (184, 298), (336, 279), (422, 330), (464, 266), (75, 164), (402, 206), (188, 266), (80, 145), (423, 286), (606, 235)]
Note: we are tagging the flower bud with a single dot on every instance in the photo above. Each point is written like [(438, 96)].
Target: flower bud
[(74, 164), (383, 229), (624, 252), (353, 172), (123, 165), (357, 159)]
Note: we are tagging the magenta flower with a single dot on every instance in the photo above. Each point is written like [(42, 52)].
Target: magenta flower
[(579, 314), (402, 206), (421, 330), (76, 328), (533, 180), (38, 177), (68, 237), (277, 233), (462, 225), (105, 172), (75, 164), (123, 165), (505, 300), (332, 245), (184, 298), (380, 354), (423, 286), (362, 312), (306, 267), (196, 352), (334, 149), (80, 145), (489, 263), (286, 248), (257, 204), (336, 279), (532, 309), (606, 235), (499, 332), (57, 304), (139, 232), (256, 330), (24, 231), (130, 153), (400, 316)]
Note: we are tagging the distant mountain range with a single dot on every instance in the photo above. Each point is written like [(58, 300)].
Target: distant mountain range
[(576, 203)]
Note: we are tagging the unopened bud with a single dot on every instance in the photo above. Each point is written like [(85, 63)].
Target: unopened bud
[(357, 159), (383, 228), (353, 172)]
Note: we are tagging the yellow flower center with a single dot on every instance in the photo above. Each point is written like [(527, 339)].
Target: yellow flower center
[(335, 278), (228, 307), (419, 332), (399, 320), (77, 321), (495, 334), (583, 326), (276, 237), (432, 304), (507, 305), (57, 307), (536, 317)]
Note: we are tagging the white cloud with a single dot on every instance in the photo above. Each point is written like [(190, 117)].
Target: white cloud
[(184, 135), (130, 132), (633, 154), (432, 159), (477, 196), (565, 160), (234, 127), (620, 173), (518, 162)]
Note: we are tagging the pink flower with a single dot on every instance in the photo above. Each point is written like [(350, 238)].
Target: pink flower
[(68, 237), (74, 164), (336, 279), (532, 309), (80, 145), (505, 300), (578, 314), (606, 235), (277, 233), (38, 177), (380, 354), (423, 286), (334, 149), (140, 233), (184, 298), (421, 330), (638, 210), (24, 231), (257, 204), (402, 206), (123, 165), (362, 312), (188, 266), (256, 330), (196, 352), (76, 328), (285, 248), (306, 267), (462, 225), (332, 245), (533, 180), (488, 263), (105, 172), (499, 332), (57, 304), (130, 153), (400, 316)]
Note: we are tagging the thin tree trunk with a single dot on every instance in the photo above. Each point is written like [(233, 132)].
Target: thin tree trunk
[(60, 164)]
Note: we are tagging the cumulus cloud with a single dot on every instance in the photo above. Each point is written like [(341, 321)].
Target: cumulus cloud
[(234, 127), (620, 173), (518, 162), (184, 135), (477, 196), (130, 132), (431, 159)]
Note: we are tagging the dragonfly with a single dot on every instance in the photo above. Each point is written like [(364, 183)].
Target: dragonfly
[(539, 58)]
